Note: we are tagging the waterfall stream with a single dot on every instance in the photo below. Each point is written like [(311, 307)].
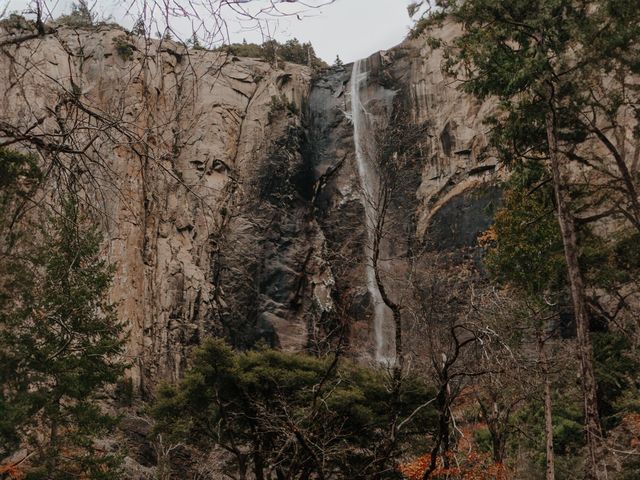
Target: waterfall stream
[(364, 139)]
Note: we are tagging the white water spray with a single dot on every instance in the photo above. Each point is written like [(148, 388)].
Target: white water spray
[(364, 140)]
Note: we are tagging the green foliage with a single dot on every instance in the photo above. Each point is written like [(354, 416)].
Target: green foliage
[(627, 252), (291, 51), (613, 261), (18, 172), (194, 43), (244, 49), (139, 28), (568, 433), (279, 176), (124, 392), (17, 22), (524, 52), (296, 411), (558, 66), (60, 343), (616, 374), (80, 16), (281, 104), (124, 48), (482, 438), (526, 250), (19, 177), (301, 53), (425, 22), (16, 167)]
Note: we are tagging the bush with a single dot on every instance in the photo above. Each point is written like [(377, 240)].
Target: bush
[(17, 22), (124, 48), (290, 410), (291, 51), (81, 16), (60, 346)]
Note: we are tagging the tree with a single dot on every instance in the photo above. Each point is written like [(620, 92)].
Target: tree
[(167, 35), (80, 16), (301, 53), (519, 380), (20, 176), (60, 345), (195, 43), (544, 62), (139, 28), (273, 52), (292, 414), (449, 346), (524, 255), (17, 171)]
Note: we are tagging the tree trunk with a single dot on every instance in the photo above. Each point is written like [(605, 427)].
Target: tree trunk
[(585, 351), (497, 442), (52, 450), (396, 309), (442, 437), (242, 467), (258, 466), (548, 419)]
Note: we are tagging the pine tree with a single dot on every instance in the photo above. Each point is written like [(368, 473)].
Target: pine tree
[(80, 16), (548, 63), (139, 27), (60, 348), (292, 413), (195, 43)]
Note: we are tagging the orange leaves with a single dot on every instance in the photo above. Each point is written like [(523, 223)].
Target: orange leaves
[(632, 422), (488, 237), (471, 466), (415, 469), (12, 471), (467, 463)]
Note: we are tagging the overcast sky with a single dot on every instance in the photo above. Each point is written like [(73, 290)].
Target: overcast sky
[(350, 28)]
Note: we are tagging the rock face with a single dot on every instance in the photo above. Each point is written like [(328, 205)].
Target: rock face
[(180, 138), (455, 160), (227, 188), (442, 200)]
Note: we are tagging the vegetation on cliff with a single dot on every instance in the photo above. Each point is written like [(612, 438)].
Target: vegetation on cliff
[(272, 51)]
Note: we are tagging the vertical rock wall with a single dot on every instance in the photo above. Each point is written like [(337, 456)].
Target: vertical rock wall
[(228, 189), (169, 143), (445, 197)]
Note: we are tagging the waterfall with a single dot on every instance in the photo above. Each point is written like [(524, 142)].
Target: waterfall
[(364, 139)]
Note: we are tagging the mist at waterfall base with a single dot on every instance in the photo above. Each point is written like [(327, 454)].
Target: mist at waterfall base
[(363, 137)]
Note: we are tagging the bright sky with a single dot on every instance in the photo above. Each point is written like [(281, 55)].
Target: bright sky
[(350, 28)]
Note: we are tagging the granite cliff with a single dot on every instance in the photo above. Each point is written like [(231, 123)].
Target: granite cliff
[(227, 187)]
